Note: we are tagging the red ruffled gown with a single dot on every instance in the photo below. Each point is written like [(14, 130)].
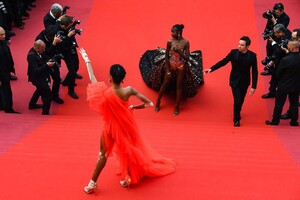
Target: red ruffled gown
[(121, 135)]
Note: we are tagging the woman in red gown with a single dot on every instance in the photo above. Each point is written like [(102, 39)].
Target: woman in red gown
[(120, 133)]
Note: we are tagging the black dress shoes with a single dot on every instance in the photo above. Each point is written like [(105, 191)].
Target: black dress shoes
[(271, 123), (58, 100), (78, 76), (285, 116), (35, 106), (73, 95), (236, 123), (12, 112), (268, 95), (294, 123)]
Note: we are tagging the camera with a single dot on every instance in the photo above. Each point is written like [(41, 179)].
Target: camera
[(269, 14), (283, 43), (56, 59), (77, 21), (65, 9), (77, 31), (61, 35), (268, 59), (267, 34)]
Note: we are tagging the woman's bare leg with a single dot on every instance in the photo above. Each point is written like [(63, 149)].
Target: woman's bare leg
[(102, 158), (162, 90), (179, 81)]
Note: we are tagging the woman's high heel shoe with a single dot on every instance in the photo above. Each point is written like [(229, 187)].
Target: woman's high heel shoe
[(157, 106), (126, 182)]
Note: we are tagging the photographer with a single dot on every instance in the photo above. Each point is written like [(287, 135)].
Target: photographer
[(275, 16), (295, 36), (39, 74), (67, 48), (53, 16), (288, 75), (51, 40), (278, 44)]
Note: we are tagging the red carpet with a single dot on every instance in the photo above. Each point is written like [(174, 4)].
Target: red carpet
[(53, 157)]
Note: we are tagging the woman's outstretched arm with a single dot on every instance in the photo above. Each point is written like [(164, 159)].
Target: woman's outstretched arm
[(88, 65)]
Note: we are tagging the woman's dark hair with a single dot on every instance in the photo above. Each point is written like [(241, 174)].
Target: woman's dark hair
[(179, 27), (117, 73)]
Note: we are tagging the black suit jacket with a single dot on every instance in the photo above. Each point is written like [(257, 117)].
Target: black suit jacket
[(49, 20), (38, 71), (241, 67), (6, 62), (288, 73)]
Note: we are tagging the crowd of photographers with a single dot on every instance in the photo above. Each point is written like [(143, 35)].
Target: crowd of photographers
[(281, 44), (54, 44)]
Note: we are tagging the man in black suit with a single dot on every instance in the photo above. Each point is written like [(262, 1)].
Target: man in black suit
[(39, 74), (51, 40), (6, 67), (52, 17), (296, 36), (288, 75), (68, 49), (242, 60)]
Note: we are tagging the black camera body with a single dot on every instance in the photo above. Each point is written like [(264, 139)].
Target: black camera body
[(268, 59), (56, 59), (267, 34), (269, 14), (283, 43), (77, 31), (65, 9), (61, 34)]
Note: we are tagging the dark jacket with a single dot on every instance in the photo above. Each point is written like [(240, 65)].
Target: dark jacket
[(6, 62), (241, 66), (49, 20), (38, 71), (288, 73)]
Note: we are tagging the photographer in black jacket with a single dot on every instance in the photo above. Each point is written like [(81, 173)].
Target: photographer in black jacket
[(67, 48), (275, 16), (51, 40), (39, 74), (278, 44)]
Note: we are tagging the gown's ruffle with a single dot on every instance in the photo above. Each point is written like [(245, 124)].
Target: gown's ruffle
[(152, 68), (121, 135)]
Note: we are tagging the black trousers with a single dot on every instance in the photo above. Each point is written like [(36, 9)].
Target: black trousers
[(239, 94), (72, 63), (6, 102), (273, 83), (55, 75), (279, 103), (46, 96)]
